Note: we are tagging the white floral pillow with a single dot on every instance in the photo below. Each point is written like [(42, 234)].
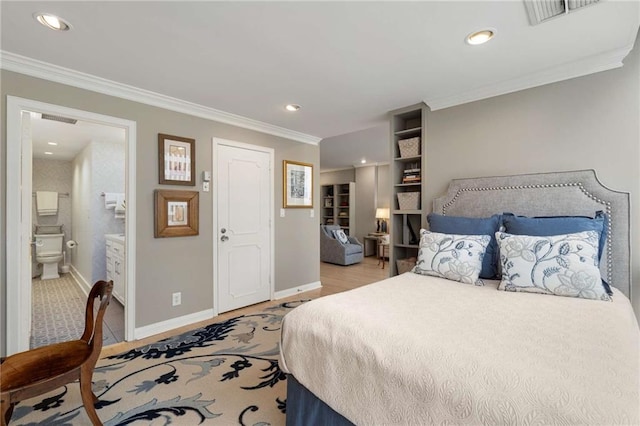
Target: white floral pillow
[(451, 256), (341, 236), (564, 265)]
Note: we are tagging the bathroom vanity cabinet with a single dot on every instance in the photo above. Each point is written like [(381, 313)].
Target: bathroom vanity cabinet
[(116, 265)]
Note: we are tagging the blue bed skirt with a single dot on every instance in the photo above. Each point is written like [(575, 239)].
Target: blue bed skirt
[(305, 409)]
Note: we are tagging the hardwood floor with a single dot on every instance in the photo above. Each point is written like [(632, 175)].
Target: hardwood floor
[(334, 279)]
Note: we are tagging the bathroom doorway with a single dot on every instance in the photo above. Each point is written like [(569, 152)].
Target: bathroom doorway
[(78, 184), (72, 167)]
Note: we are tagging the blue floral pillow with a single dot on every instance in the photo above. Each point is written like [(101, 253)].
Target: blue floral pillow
[(474, 226), (564, 265), (451, 256)]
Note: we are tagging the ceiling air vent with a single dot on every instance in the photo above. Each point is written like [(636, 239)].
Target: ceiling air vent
[(58, 118), (542, 10)]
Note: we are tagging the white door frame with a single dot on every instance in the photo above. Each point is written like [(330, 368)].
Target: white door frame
[(217, 142), (18, 300)]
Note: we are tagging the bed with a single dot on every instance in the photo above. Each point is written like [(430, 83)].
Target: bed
[(416, 349)]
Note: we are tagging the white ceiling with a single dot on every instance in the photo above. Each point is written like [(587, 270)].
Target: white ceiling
[(346, 63), (70, 138)]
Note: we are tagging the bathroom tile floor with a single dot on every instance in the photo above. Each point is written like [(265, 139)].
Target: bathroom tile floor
[(57, 314)]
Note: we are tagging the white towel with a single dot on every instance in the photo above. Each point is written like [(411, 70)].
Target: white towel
[(120, 207), (46, 203), (110, 199)]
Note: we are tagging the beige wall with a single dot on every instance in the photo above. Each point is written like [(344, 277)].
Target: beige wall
[(159, 270), (365, 201), (590, 122), (384, 186), (338, 176)]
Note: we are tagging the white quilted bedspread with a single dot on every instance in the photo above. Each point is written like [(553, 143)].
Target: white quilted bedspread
[(423, 350)]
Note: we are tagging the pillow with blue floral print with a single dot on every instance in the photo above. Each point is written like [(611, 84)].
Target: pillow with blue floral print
[(451, 256), (563, 265)]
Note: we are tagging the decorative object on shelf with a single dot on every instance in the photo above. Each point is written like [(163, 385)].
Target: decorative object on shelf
[(382, 214), (176, 160), (405, 265), (409, 147), (297, 185), (408, 200), (176, 213)]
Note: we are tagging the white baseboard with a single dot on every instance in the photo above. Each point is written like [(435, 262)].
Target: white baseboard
[(162, 326), (84, 284), (291, 291)]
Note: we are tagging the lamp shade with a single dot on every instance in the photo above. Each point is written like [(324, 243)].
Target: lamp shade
[(382, 213)]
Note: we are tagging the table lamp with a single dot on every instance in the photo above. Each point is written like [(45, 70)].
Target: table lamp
[(382, 214)]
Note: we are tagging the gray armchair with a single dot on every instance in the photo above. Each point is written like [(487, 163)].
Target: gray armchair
[(333, 251)]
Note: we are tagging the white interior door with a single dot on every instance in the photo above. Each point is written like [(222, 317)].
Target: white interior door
[(243, 236)]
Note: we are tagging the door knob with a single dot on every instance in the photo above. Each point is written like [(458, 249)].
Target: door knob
[(223, 230), (224, 238)]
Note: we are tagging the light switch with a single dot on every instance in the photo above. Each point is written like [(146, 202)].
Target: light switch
[(281, 212), (312, 213), (205, 186)]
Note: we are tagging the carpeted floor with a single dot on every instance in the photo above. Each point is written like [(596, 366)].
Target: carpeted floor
[(58, 308), (225, 373)]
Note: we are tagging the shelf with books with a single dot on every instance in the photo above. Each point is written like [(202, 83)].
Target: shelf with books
[(408, 164), (339, 205)]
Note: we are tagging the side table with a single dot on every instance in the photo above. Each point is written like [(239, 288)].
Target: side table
[(370, 245)]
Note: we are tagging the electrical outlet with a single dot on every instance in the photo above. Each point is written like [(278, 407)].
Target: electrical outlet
[(176, 299)]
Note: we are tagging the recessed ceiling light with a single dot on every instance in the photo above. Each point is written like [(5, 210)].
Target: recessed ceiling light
[(48, 153), (52, 143), (480, 37), (52, 21), (292, 107)]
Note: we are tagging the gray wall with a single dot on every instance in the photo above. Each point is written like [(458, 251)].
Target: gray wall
[(384, 186), (338, 176), (365, 201), (590, 122), (296, 235)]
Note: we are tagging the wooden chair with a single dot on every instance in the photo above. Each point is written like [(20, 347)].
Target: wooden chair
[(28, 374)]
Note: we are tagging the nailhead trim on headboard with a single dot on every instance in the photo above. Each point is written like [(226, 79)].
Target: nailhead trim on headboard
[(606, 204)]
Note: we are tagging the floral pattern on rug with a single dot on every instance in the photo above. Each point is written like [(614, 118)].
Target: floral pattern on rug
[(223, 373)]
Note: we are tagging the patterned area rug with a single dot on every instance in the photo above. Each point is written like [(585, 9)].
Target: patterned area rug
[(225, 373)]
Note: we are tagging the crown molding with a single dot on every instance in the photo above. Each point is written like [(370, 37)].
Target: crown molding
[(590, 65), (44, 70), (340, 169), (383, 163)]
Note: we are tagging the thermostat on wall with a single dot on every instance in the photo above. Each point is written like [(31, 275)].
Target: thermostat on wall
[(206, 176)]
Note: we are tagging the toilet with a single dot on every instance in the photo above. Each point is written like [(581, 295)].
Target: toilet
[(49, 251)]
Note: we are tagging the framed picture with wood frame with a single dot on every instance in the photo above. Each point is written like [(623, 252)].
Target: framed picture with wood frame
[(176, 213), (176, 160), (297, 185)]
